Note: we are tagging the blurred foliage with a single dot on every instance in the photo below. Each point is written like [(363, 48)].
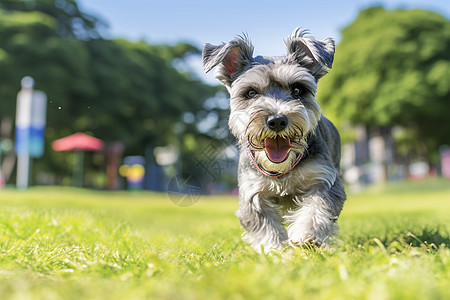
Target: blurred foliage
[(116, 90), (71, 22), (392, 68)]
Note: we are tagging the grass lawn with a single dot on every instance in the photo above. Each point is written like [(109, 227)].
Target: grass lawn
[(62, 243)]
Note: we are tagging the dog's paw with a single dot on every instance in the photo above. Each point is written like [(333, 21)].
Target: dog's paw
[(307, 240), (308, 236), (311, 228)]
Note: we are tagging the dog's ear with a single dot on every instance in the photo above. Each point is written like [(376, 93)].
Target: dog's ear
[(230, 58), (313, 54)]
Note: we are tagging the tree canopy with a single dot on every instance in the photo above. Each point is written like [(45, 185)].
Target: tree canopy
[(392, 68), (71, 22)]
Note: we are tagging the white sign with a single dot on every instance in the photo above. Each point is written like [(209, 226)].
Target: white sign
[(30, 126)]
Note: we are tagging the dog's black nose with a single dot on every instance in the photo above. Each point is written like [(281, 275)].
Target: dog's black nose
[(277, 123)]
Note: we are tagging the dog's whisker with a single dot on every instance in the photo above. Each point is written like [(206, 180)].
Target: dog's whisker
[(260, 134), (299, 129), (253, 146)]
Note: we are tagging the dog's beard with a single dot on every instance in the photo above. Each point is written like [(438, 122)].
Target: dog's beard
[(281, 160), (277, 152)]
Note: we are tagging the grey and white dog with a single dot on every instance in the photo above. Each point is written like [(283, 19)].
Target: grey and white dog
[(289, 152)]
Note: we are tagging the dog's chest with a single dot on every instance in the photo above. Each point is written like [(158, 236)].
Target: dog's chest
[(278, 187)]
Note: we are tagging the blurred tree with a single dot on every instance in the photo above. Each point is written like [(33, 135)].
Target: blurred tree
[(71, 22), (29, 45), (392, 68), (115, 89), (139, 93)]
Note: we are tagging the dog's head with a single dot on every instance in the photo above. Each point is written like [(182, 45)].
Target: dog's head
[(273, 105)]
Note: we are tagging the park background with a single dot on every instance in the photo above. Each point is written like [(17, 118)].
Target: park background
[(137, 84)]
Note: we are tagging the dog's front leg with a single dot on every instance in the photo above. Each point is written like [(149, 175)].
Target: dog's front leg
[(314, 220), (262, 223)]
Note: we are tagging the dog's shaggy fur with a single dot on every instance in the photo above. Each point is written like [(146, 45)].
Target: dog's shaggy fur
[(289, 152)]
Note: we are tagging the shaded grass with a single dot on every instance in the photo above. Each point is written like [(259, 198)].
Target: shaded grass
[(78, 244)]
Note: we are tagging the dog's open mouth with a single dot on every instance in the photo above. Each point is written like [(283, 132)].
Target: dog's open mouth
[(277, 149), (276, 160)]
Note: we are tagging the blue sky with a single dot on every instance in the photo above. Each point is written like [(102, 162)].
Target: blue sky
[(266, 22)]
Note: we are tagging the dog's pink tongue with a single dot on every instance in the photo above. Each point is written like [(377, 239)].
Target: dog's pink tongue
[(277, 149)]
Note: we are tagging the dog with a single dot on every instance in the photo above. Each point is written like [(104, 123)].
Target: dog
[(290, 191)]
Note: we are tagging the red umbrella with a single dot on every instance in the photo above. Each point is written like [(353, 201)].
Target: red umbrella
[(78, 141)]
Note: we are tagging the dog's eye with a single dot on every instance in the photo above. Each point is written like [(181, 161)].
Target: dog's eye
[(251, 94), (297, 91)]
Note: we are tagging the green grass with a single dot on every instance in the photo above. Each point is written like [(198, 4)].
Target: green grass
[(61, 243)]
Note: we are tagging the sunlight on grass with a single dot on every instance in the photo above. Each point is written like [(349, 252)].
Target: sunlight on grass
[(78, 244)]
